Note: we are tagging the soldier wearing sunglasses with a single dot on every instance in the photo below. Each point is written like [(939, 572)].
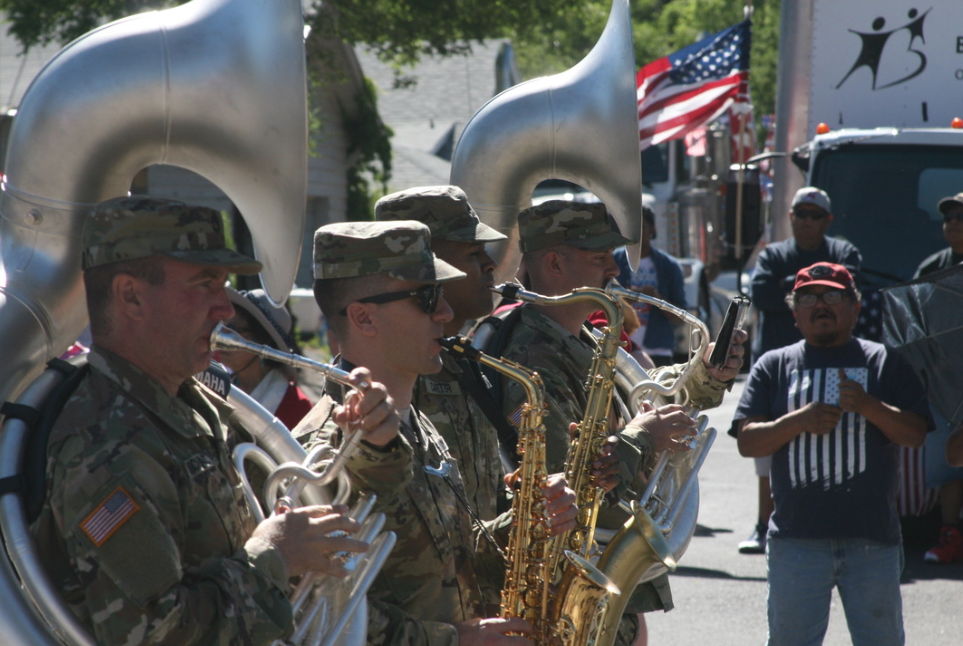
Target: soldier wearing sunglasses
[(810, 216), (381, 288)]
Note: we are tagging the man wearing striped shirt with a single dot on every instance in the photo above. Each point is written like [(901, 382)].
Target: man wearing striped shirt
[(832, 410)]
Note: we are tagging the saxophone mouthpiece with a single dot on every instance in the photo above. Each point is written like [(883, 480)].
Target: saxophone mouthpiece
[(508, 291), (460, 345)]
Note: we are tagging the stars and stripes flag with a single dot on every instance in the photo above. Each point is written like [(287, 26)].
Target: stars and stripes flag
[(693, 86)]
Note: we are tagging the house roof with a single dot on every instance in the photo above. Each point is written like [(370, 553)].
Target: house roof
[(427, 115)]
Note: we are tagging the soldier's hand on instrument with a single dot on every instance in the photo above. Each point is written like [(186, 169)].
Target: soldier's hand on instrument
[(852, 395), (370, 409), (733, 361), (493, 631), (560, 508), (669, 426), (302, 536), (605, 469)]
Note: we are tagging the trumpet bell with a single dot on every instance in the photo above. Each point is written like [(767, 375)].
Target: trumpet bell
[(581, 125)]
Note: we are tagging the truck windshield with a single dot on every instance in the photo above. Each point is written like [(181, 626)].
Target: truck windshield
[(884, 202)]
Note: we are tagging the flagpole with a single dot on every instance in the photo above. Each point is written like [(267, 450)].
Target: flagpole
[(740, 178)]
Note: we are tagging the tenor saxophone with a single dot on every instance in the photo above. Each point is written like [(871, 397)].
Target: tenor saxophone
[(567, 618)]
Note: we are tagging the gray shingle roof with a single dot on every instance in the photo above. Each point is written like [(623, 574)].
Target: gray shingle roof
[(447, 92)]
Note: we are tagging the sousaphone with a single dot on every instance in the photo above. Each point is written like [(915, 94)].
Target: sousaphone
[(213, 86), (581, 125)]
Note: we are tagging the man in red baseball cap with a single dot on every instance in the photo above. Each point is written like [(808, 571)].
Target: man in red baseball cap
[(832, 411)]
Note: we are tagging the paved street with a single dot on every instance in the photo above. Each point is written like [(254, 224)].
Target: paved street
[(720, 595)]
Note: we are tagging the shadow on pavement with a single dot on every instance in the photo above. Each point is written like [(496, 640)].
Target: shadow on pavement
[(705, 573)]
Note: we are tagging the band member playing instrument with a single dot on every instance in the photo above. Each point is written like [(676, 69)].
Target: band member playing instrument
[(567, 245), (457, 399), (458, 237), (381, 287), (144, 529)]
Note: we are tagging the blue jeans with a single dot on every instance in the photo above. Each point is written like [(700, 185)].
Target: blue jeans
[(802, 575)]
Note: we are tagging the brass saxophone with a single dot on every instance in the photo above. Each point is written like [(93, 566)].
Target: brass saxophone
[(594, 428), (567, 618)]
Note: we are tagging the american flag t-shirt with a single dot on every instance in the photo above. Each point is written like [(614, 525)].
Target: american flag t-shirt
[(832, 459)]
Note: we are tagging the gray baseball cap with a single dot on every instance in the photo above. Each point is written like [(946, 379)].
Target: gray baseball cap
[(947, 201), (812, 195)]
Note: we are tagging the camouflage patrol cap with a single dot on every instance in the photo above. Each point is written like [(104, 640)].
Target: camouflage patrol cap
[(576, 224), (400, 249), (128, 228), (445, 209)]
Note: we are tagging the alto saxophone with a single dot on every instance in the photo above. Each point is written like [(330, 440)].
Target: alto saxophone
[(594, 428), (561, 619)]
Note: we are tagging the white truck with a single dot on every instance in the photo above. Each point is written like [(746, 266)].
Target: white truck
[(886, 77)]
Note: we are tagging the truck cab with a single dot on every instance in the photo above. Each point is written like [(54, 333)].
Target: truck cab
[(885, 184)]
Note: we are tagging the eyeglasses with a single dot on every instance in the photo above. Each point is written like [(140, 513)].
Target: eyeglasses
[(956, 215), (428, 295), (834, 297), (812, 214)]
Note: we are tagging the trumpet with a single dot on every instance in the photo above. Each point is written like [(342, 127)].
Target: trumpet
[(223, 338), (327, 610)]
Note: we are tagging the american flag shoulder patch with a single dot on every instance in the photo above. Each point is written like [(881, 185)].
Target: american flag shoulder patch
[(109, 516), (516, 416)]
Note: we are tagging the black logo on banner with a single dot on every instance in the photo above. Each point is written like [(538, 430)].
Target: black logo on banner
[(873, 44)]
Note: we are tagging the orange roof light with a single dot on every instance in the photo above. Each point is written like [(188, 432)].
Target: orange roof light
[(956, 123), (822, 129)]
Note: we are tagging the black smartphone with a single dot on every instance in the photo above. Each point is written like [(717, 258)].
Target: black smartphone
[(735, 315)]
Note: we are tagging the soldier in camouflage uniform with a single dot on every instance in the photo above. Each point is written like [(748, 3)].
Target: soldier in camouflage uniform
[(458, 238), (380, 286), (449, 398), (566, 245), (145, 529)]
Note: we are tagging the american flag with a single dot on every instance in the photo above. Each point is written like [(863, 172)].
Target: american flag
[(107, 518), (693, 86)]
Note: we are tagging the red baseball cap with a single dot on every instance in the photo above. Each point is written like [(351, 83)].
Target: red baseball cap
[(824, 273)]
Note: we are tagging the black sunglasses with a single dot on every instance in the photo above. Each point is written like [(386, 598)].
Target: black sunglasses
[(428, 295), (812, 214), (949, 217)]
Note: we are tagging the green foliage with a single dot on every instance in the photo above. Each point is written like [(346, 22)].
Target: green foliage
[(659, 27), (549, 35), (39, 22), (371, 150)]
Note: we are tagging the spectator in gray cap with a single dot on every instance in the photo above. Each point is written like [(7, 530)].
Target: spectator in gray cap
[(145, 530), (810, 216)]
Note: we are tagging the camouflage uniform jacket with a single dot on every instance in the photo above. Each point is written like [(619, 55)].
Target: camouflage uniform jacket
[(145, 529), (428, 581), (471, 438), (473, 442), (562, 360)]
